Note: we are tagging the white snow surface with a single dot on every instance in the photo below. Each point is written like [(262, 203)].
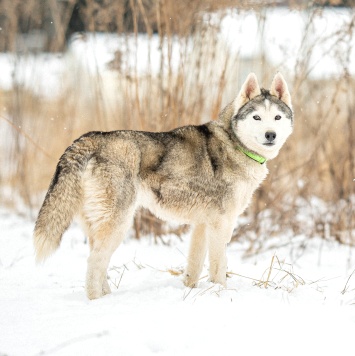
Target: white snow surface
[(44, 310)]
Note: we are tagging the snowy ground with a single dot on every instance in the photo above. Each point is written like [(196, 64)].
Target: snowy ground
[(44, 310)]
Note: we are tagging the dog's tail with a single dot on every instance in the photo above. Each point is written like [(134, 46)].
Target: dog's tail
[(64, 196)]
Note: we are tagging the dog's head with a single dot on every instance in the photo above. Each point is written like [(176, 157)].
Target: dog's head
[(262, 119)]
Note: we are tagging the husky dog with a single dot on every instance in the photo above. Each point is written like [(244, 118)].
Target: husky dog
[(200, 175)]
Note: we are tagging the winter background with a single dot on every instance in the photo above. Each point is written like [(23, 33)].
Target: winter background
[(292, 293)]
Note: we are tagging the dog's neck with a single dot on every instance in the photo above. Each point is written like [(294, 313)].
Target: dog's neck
[(252, 155), (225, 121), (242, 148)]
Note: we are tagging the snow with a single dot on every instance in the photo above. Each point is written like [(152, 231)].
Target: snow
[(44, 310), (41, 73), (287, 37)]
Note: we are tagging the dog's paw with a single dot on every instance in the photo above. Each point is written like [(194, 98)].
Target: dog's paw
[(106, 288), (189, 281), (221, 281), (94, 294)]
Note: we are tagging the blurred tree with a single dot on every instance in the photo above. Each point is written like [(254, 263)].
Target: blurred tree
[(46, 25)]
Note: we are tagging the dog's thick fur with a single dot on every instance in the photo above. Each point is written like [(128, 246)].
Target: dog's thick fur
[(199, 175)]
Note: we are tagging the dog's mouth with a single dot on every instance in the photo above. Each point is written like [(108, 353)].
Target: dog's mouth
[(269, 144)]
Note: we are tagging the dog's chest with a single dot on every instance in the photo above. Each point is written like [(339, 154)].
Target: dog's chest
[(245, 187)]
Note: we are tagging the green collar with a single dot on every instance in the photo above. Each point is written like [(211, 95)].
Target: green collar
[(254, 156)]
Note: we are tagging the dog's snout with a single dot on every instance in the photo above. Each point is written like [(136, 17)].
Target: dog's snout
[(270, 135)]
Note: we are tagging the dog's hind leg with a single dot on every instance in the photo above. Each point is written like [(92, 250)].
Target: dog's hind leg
[(103, 244), (96, 275), (197, 255), (109, 205)]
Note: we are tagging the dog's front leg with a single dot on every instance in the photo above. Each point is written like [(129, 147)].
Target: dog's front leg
[(197, 255), (218, 237)]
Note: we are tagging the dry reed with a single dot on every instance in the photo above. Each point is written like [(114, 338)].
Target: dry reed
[(317, 162)]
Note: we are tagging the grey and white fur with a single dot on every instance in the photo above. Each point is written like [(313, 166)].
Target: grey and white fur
[(200, 175)]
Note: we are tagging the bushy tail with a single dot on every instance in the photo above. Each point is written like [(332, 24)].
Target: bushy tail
[(63, 198)]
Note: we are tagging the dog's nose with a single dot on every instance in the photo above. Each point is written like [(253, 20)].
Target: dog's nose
[(270, 135)]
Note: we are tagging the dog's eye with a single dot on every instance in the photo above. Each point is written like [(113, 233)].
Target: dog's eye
[(256, 117), (277, 117)]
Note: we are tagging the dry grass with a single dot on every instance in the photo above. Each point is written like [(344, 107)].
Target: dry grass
[(318, 161)]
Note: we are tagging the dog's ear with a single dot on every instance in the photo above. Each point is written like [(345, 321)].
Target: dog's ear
[(280, 90), (250, 89)]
